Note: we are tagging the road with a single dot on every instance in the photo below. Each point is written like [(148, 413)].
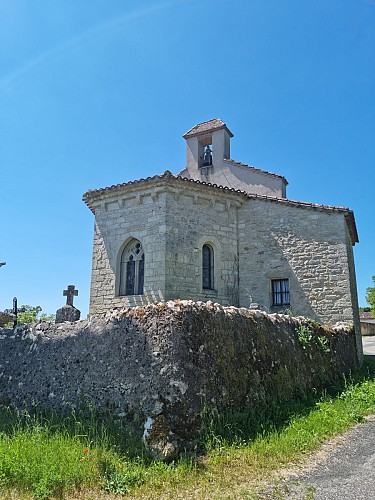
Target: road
[(343, 469)]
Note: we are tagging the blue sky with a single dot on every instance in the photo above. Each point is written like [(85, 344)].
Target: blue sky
[(98, 93)]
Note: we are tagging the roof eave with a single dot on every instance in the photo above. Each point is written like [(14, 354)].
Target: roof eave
[(352, 227), (91, 196)]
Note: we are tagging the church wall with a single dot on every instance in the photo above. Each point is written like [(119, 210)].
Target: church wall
[(195, 218), (254, 241), (252, 181), (308, 246), (236, 177), (138, 215), (353, 293)]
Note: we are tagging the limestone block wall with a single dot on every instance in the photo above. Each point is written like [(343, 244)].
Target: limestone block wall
[(194, 218), (254, 240), (309, 246), (169, 361), (139, 215)]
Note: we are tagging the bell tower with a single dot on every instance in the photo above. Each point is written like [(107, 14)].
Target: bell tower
[(207, 145)]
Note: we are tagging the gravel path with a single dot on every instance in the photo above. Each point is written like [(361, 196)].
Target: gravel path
[(344, 469)]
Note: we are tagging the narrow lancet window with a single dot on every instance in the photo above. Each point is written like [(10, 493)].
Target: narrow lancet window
[(132, 268), (208, 267)]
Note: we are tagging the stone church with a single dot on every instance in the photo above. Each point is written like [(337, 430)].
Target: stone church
[(224, 231)]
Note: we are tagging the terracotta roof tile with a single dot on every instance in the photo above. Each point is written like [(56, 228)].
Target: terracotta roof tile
[(366, 315)]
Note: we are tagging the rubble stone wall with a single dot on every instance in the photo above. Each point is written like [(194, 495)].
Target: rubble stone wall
[(166, 361)]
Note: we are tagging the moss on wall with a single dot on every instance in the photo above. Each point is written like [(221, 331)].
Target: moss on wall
[(172, 359)]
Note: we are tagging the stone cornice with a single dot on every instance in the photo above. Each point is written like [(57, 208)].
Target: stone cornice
[(96, 195)]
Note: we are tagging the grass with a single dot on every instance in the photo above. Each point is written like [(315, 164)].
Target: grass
[(82, 456)]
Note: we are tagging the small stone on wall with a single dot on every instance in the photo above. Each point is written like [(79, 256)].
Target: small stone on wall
[(67, 313)]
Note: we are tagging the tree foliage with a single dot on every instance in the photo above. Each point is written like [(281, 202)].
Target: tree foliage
[(33, 314), (370, 296), (364, 309)]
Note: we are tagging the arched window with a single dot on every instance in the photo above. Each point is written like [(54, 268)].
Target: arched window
[(208, 267), (132, 269)]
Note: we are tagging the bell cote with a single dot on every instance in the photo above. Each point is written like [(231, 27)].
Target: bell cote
[(207, 144)]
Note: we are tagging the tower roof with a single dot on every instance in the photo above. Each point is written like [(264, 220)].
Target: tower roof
[(206, 127)]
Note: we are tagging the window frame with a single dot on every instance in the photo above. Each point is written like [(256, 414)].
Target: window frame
[(208, 269), (280, 292), (132, 260)]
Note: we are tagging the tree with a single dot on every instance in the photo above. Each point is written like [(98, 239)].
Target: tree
[(32, 314), (364, 309), (370, 296)]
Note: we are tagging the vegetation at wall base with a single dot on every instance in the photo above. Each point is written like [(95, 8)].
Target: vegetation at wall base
[(47, 456)]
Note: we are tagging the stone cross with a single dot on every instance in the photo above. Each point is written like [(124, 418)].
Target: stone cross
[(70, 293)]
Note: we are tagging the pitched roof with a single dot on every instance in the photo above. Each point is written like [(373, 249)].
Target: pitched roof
[(96, 194), (366, 315), (205, 127)]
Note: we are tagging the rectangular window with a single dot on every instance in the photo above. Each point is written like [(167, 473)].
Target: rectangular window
[(280, 292)]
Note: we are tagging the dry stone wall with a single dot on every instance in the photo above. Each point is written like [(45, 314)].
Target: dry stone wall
[(161, 364)]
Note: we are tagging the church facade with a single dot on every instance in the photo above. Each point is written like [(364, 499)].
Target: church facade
[(222, 231)]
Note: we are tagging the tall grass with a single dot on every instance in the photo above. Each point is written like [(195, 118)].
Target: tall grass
[(46, 455), (283, 431), (43, 456)]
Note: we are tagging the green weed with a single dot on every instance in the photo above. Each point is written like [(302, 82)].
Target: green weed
[(308, 337), (305, 336)]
